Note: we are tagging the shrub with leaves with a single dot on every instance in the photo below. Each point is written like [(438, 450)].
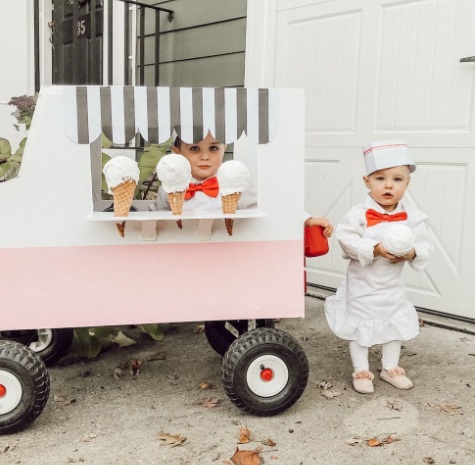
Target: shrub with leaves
[(25, 108), (10, 161), (89, 342)]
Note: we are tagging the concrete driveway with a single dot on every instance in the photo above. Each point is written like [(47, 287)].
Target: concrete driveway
[(94, 417)]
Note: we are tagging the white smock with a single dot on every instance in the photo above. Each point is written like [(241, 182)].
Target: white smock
[(371, 307)]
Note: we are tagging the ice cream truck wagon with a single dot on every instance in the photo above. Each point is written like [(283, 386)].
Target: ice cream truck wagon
[(64, 264)]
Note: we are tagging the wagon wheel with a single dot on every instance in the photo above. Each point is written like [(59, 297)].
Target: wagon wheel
[(49, 344), (221, 334), (52, 344), (265, 371), (24, 386)]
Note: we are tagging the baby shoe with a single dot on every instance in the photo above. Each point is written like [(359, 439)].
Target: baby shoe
[(397, 377), (363, 382)]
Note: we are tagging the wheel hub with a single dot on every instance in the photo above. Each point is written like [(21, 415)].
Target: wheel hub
[(267, 376), (45, 336), (10, 392)]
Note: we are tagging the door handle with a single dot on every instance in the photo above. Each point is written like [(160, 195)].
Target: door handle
[(467, 60)]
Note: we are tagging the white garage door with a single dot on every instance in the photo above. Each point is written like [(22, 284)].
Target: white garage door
[(376, 70)]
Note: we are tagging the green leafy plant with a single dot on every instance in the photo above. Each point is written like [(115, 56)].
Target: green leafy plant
[(90, 342), (147, 162), (10, 161)]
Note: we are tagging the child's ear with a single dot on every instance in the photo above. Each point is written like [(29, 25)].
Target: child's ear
[(366, 181), (175, 150)]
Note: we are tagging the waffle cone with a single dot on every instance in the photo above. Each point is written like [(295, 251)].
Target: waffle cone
[(176, 200), (121, 228), (123, 196), (229, 204), (229, 222)]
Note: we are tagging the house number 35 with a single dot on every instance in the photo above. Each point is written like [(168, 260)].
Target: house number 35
[(81, 27)]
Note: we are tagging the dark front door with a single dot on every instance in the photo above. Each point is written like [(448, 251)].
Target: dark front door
[(77, 41)]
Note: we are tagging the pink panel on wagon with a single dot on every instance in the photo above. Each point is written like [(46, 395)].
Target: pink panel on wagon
[(145, 283)]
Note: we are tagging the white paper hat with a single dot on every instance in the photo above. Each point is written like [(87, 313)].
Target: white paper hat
[(387, 154)]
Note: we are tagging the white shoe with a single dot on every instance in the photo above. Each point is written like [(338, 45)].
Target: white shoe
[(397, 377), (363, 382)]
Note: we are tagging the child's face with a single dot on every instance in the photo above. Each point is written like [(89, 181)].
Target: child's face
[(387, 186), (205, 157)]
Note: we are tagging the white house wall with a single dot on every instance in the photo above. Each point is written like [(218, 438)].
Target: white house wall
[(17, 63)]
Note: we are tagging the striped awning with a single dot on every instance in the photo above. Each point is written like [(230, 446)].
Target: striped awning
[(120, 112)]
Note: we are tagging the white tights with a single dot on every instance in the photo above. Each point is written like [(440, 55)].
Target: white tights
[(390, 358)]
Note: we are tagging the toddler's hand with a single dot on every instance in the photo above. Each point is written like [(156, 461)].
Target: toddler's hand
[(409, 256), (323, 222), (379, 250)]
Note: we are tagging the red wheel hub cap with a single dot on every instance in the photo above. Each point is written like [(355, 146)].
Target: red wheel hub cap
[(267, 374), (3, 391)]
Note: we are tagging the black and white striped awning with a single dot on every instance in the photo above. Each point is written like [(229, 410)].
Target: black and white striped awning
[(120, 112)]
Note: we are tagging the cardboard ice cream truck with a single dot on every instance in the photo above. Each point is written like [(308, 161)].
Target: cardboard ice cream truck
[(63, 264)]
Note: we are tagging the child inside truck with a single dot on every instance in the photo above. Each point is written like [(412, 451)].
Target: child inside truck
[(205, 158)]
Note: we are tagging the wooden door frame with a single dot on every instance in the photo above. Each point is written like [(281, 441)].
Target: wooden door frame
[(261, 30)]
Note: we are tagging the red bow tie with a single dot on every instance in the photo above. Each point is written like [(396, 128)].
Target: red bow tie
[(209, 187), (373, 217)]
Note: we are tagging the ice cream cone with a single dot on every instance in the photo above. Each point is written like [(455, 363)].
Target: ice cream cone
[(176, 200), (229, 204), (123, 196)]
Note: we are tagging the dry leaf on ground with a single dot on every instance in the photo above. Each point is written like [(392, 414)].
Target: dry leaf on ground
[(89, 437), (354, 441), (244, 435), (447, 408), (390, 440), (269, 442), (118, 373), (135, 365), (171, 439), (246, 457), (204, 385), (63, 400), (199, 328), (330, 394), (157, 356), (210, 403), (325, 385), (393, 405), (6, 448), (375, 442), (428, 460)]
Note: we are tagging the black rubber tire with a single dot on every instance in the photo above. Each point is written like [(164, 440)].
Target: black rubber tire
[(263, 342), (57, 347), (27, 368), (220, 338)]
